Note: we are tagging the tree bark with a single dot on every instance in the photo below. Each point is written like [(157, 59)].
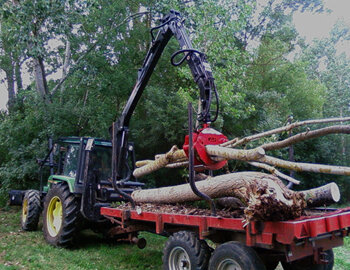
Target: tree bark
[(173, 155), (238, 154), (235, 142), (264, 196), (306, 136), (321, 196), (258, 154), (40, 77), (305, 167), (10, 87), (275, 172), (18, 75)]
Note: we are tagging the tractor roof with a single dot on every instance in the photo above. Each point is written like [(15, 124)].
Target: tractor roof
[(76, 140)]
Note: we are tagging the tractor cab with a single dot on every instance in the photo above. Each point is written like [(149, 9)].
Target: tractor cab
[(68, 159), (85, 165)]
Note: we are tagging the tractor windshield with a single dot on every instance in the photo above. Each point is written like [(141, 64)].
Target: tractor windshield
[(71, 160), (102, 161)]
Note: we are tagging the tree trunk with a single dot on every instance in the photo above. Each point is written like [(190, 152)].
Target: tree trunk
[(10, 87), (264, 195), (18, 75), (40, 77)]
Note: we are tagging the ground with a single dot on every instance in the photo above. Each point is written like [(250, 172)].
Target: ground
[(28, 250)]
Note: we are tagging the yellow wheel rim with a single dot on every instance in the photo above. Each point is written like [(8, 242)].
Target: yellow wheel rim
[(54, 216), (24, 210)]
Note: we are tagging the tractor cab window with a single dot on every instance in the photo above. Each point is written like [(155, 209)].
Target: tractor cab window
[(102, 160), (71, 161)]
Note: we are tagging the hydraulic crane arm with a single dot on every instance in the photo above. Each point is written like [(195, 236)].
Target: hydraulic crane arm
[(171, 25)]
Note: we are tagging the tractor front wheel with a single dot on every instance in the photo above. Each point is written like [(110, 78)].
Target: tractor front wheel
[(31, 209), (61, 210)]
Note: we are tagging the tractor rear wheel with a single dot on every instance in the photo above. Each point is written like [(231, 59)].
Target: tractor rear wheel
[(31, 209), (184, 251), (61, 210)]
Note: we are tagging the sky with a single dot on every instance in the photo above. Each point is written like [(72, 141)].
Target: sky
[(309, 25)]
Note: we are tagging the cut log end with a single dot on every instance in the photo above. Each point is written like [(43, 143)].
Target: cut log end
[(335, 192), (324, 195)]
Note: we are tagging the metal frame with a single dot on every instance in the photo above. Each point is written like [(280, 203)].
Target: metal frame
[(292, 240), (171, 25)]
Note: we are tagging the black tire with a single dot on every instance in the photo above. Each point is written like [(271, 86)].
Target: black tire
[(234, 255), (60, 216), (31, 210), (308, 264), (184, 250)]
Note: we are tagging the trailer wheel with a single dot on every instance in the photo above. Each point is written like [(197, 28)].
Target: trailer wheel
[(61, 210), (184, 251), (235, 256), (308, 264), (31, 209)]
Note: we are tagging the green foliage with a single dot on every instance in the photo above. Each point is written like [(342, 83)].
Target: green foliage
[(248, 47)]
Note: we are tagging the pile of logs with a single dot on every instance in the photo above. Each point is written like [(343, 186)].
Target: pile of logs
[(263, 196)]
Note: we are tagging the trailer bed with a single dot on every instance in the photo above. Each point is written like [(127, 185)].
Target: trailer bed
[(295, 238)]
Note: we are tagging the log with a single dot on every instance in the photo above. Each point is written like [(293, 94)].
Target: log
[(322, 196), (258, 154), (229, 202), (235, 142), (264, 195), (230, 153), (150, 166)]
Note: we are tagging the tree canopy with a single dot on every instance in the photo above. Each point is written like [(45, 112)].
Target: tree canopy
[(83, 55)]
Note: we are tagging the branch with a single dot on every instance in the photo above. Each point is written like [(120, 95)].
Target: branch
[(305, 167), (274, 171), (258, 154), (234, 143), (230, 153), (93, 46), (151, 166), (306, 136), (177, 165), (67, 58)]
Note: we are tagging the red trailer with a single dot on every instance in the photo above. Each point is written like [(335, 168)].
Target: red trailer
[(303, 243)]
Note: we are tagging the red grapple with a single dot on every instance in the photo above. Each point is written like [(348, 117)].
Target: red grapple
[(201, 138)]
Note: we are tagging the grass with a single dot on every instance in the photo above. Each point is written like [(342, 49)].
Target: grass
[(28, 250)]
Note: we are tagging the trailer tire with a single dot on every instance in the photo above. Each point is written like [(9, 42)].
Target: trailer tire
[(184, 250), (31, 210), (307, 263), (234, 255), (60, 216)]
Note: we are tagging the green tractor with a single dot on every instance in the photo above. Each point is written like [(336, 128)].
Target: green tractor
[(78, 186)]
